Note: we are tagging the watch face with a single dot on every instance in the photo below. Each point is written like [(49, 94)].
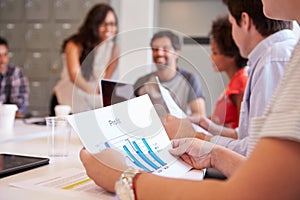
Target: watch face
[(124, 191)]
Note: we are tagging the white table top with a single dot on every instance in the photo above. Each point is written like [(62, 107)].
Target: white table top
[(23, 131), (28, 139), (31, 140)]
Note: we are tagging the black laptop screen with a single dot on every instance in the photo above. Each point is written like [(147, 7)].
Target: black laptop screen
[(115, 92)]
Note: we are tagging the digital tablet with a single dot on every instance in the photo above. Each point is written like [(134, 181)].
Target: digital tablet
[(12, 164)]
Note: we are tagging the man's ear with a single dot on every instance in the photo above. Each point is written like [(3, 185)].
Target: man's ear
[(177, 53), (246, 21)]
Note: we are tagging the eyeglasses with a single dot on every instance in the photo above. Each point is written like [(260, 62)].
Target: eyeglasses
[(106, 24)]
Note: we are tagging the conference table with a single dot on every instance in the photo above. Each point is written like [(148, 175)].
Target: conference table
[(31, 139)]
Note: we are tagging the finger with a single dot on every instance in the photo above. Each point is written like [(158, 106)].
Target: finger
[(176, 142), (180, 146), (187, 159)]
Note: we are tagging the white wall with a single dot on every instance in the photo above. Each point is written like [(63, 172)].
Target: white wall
[(136, 22)]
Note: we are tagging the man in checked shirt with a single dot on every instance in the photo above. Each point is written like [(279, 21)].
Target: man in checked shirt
[(14, 87)]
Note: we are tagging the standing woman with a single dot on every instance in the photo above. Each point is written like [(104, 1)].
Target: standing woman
[(226, 57), (90, 54)]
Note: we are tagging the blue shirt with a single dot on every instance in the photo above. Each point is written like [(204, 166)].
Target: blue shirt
[(266, 66)]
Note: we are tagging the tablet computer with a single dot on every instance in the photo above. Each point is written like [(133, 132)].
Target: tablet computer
[(12, 163)]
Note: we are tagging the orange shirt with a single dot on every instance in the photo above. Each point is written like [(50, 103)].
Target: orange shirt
[(226, 113)]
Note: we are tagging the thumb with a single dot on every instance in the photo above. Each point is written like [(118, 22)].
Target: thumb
[(112, 158)]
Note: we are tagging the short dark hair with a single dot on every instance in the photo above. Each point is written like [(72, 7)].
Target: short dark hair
[(3, 41), (254, 8), (221, 34), (169, 34)]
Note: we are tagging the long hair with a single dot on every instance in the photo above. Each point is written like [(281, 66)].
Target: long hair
[(88, 35)]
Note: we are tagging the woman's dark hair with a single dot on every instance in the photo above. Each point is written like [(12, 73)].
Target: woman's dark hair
[(88, 35), (254, 8), (221, 34)]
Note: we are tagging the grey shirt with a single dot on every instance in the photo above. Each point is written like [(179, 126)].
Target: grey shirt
[(184, 88)]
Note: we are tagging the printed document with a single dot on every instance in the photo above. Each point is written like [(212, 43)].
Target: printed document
[(135, 130), (174, 109), (69, 182)]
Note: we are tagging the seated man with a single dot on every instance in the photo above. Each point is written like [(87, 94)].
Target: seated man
[(14, 86), (184, 86)]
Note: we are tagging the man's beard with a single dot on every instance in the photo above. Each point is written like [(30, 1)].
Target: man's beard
[(161, 67)]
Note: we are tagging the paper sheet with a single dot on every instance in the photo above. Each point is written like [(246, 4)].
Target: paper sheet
[(70, 182), (134, 129), (174, 109)]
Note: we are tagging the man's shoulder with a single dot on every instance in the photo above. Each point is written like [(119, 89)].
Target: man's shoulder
[(189, 76), (12, 69), (15, 71), (283, 45)]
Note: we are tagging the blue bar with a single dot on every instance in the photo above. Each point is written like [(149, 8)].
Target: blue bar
[(142, 155), (154, 156), (135, 161), (107, 145)]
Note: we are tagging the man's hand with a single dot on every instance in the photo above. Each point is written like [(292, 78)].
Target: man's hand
[(178, 128), (195, 152)]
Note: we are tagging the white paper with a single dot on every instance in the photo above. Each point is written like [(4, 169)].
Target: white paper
[(70, 182), (174, 109), (134, 129)]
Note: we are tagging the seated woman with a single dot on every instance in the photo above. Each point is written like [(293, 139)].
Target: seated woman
[(227, 58)]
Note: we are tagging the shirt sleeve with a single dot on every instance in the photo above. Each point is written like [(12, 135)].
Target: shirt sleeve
[(20, 90), (238, 145), (238, 84), (196, 90)]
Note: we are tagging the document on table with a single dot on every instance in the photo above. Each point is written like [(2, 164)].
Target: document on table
[(135, 130), (174, 109), (70, 182)]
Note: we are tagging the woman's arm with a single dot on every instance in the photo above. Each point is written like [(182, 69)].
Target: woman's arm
[(271, 172), (113, 63), (105, 168), (73, 52)]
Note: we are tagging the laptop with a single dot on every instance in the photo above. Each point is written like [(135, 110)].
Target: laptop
[(113, 92)]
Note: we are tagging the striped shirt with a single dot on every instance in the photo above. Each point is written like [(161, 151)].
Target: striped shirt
[(281, 118)]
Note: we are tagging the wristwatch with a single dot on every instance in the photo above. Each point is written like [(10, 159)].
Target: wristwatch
[(124, 186)]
